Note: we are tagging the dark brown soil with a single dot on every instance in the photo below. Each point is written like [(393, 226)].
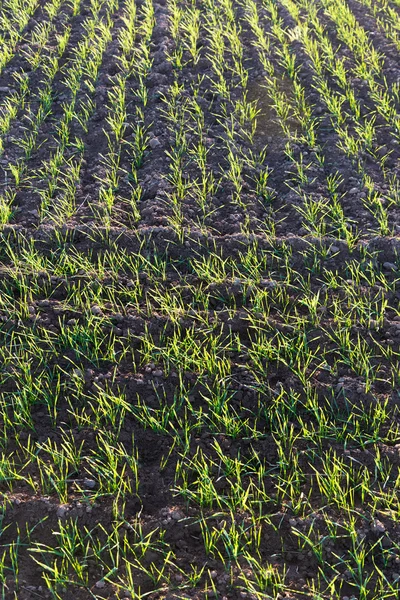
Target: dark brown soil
[(122, 326)]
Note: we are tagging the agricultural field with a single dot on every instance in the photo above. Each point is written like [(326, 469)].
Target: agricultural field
[(199, 299)]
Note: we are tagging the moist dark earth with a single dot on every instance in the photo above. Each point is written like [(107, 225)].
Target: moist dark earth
[(199, 300)]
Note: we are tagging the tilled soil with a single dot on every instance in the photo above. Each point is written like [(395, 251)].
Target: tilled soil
[(232, 344)]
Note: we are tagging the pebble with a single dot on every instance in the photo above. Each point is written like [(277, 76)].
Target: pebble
[(44, 303), (62, 511), (389, 266), (176, 515), (354, 190), (95, 310), (268, 283), (100, 584), (382, 150), (377, 526), (154, 143), (89, 484)]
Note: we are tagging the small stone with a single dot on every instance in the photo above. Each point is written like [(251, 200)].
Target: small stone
[(100, 584), (382, 151), (292, 522), (354, 190), (62, 511), (89, 484), (95, 310), (377, 526), (268, 283), (154, 143), (176, 515), (44, 303), (388, 266), (158, 373)]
